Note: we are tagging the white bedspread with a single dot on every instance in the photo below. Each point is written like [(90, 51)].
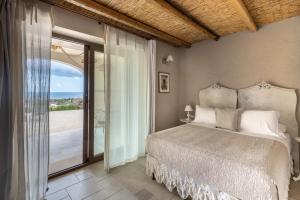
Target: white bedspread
[(246, 166)]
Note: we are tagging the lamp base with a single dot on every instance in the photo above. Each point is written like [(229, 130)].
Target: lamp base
[(188, 115)]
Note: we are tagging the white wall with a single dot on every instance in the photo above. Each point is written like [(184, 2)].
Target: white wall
[(81, 26), (76, 22)]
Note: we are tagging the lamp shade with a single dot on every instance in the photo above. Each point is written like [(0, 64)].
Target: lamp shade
[(188, 108)]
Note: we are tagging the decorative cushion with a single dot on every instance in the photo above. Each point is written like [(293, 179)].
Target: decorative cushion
[(205, 115), (227, 118)]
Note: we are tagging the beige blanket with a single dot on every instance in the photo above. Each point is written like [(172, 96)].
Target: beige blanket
[(244, 166)]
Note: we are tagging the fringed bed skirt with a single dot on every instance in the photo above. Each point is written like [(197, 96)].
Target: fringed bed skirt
[(185, 185)]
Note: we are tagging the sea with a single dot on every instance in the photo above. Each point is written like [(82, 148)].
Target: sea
[(65, 95)]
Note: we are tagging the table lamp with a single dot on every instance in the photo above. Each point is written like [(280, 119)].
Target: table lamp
[(188, 109)]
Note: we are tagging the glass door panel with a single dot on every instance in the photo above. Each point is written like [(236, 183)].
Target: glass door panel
[(99, 103), (66, 106), (76, 104)]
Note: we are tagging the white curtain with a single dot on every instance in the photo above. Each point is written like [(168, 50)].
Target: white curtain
[(127, 67), (26, 81), (152, 83), (36, 35)]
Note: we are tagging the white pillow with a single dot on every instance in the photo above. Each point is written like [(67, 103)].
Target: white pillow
[(262, 122), (205, 115)]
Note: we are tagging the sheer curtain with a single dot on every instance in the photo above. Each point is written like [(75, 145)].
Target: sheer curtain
[(152, 83), (36, 37), (126, 58), (24, 88)]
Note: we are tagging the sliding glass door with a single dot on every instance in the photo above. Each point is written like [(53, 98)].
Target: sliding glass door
[(97, 104), (66, 105), (76, 106)]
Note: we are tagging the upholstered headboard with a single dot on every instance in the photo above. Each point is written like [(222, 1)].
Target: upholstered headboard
[(218, 96), (262, 96), (265, 96)]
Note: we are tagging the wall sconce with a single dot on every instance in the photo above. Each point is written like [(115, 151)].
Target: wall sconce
[(167, 59)]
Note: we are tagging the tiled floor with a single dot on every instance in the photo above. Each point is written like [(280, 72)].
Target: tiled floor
[(128, 182)]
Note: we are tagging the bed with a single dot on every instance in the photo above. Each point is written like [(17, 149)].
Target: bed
[(211, 163)]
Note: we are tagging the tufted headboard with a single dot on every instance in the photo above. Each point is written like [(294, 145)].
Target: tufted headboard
[(265, 96), (218, 96)]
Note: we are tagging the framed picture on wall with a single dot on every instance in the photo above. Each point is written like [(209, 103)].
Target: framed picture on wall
[(163, 82)]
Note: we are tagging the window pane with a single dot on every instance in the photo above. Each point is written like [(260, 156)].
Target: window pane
[(99, 104), (66, 105)]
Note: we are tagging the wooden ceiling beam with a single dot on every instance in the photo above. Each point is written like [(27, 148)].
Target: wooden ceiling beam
[(181, 15), (242, 10), (107, 15)]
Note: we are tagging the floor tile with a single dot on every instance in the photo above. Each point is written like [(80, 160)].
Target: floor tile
[(110, 182), (62, 182), (103, 193), (122, 195), (60, 195), (130, 178), (94, 170), (84, 175), (159, 191), (144, 194), (83, 189), (127, 182), (294, 193)]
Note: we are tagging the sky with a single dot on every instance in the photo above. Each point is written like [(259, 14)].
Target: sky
[(65, 78)]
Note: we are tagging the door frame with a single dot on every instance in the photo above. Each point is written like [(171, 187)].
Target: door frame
[(88, 101), (91, 109)]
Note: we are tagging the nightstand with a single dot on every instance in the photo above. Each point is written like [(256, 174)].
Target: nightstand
[(298, 177), (186, 120)]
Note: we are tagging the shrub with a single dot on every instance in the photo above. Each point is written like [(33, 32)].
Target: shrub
[(63, 107)]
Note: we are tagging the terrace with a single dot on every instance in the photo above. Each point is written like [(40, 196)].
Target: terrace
[(66, 139)]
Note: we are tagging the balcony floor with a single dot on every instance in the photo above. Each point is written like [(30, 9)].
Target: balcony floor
[(66, 139), (65, 149)]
